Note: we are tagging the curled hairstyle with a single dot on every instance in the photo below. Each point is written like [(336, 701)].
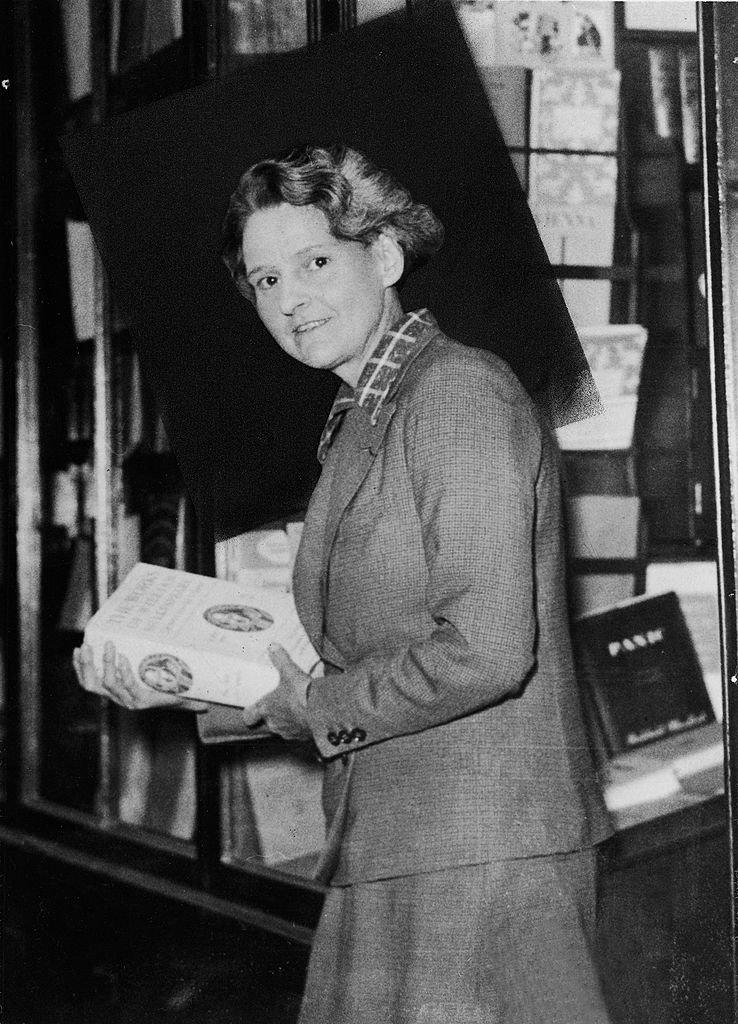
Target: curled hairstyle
[(359, 200)]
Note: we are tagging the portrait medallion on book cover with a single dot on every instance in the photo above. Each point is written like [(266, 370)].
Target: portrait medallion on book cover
[(241, 618), (165, 673)]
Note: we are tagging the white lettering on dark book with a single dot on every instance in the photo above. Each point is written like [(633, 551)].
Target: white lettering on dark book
[(637, 642)]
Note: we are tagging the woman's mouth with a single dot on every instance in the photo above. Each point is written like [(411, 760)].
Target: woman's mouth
[(309, 325)]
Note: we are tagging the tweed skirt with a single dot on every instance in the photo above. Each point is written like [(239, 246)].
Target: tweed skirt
[(508, 942)]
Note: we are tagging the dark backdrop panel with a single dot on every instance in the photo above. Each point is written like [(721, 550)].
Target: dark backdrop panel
[(244, 420)]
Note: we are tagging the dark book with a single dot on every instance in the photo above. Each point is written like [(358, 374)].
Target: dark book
[(639, 671)]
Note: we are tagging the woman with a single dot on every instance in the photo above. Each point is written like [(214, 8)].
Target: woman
[(462, 804)]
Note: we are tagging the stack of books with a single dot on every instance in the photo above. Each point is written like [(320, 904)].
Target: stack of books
[(653, 725)]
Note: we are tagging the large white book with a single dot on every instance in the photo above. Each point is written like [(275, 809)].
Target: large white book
[(200, 637)]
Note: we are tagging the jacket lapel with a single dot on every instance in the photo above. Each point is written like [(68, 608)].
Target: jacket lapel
[(362, 440), (307, 573)]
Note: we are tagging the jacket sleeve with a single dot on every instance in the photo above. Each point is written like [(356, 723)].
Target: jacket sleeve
[(473, 452)]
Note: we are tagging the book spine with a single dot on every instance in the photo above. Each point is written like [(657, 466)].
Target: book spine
[(689, 91), (664, 91)]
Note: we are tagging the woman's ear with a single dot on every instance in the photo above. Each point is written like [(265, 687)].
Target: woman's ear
[(391, 258)]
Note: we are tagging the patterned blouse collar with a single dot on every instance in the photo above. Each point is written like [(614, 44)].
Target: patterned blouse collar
[(379, 374)]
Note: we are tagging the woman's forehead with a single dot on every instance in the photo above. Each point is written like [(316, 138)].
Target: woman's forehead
[(284, 230)]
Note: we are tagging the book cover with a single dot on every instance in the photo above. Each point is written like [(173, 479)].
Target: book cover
[(573, 201), (592, 29), (696, 583), (478, 21), (532, 34), (575, 108), (569, 186), (199, 637), (262, 558), (538, 34), (615, 355), (637, 663)]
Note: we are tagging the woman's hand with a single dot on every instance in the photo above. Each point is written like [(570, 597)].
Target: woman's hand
[(283, 711), (119, 682)]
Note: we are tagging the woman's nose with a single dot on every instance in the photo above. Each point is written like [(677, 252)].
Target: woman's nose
[(292, 294)]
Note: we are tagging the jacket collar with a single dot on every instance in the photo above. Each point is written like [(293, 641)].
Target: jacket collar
[(381, 373)]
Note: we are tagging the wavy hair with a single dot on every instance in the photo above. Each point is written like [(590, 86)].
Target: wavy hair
[(359, 200)]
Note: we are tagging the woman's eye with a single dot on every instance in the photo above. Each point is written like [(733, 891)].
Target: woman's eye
[(265, 283), (320, 262)]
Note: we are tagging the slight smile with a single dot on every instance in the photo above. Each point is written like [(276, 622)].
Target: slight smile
[(309, 326)]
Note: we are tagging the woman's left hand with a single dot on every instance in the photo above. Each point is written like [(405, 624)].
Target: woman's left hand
[(283, 710)]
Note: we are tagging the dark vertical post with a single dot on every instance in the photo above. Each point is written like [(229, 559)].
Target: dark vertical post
[(718, 26)]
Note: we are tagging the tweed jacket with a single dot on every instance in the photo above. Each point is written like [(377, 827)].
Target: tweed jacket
[(431, 574), (431, 579)]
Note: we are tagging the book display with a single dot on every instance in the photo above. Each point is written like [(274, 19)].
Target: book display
[(607, 155)]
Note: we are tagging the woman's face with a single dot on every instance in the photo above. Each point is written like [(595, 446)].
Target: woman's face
[(324, 300)]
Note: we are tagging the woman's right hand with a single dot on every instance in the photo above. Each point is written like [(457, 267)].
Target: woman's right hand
[(119, 682)]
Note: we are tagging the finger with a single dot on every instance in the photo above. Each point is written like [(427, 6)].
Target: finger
[(84, 666), (108, 661), (254, 715), (113, 684), (281, 660), (125, 677)]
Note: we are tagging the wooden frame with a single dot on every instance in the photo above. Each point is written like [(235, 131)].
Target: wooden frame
[(718, 25)]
